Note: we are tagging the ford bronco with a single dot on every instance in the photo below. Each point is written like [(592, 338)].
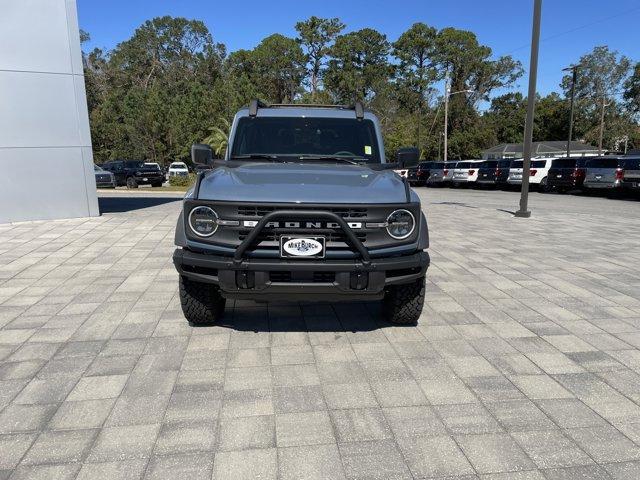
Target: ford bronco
[(304, 207)]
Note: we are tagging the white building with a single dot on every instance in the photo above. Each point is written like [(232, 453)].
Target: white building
[(46, 162)]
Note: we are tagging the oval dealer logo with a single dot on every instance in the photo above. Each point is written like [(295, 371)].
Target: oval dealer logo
[(302, 247)]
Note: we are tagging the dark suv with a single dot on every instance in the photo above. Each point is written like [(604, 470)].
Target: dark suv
[(419, 175), (631, 174), (567, 173), (134, 172), (493, 172)]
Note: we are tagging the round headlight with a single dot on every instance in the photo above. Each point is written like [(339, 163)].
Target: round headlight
[(203, 221), (400, 224)]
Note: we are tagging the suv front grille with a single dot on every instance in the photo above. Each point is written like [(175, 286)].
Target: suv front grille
[(331, 236), (261, 210), (306, 277)]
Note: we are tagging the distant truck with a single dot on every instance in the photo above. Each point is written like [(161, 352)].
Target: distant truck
[(133, 173), (304, 207)]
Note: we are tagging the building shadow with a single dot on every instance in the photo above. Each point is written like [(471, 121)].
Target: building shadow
[(121, 204)]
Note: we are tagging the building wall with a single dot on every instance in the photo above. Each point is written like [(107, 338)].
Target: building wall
[(46, 161)]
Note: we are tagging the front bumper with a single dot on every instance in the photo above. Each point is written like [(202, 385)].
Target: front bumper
[(298, 280)]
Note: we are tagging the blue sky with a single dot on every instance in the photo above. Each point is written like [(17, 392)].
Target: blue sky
[(570, 28)]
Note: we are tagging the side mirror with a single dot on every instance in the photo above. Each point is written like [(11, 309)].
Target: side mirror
[(408, 157), (201, 154)]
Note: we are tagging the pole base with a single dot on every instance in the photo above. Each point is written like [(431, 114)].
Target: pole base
[(523, 213)]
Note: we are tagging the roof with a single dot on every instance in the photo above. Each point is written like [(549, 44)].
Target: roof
[(539, 147), (305, 111)]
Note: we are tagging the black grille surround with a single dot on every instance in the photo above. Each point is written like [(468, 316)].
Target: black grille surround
[(269, 237)]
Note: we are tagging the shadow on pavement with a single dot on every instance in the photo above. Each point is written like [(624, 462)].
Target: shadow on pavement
[(346, 320), (127, 204)]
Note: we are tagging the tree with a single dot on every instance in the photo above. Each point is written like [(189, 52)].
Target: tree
[(415, 71), (601, 74), (632, 90), (279, 68), (316, 35), (219, 137), (359, 64), (506, 116)]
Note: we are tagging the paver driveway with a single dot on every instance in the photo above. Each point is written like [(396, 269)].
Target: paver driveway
[(525, 364)]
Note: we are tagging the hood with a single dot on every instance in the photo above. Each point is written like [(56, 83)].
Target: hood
[(303, 183)]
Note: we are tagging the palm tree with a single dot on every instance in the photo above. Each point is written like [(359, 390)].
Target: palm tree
[(219, 137)]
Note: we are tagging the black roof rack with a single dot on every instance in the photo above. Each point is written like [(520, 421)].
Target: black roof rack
[(255, 104)]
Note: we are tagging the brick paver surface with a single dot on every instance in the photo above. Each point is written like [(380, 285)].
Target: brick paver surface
[(525, 365)]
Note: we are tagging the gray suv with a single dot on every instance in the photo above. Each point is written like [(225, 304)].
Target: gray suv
[(304, 207)]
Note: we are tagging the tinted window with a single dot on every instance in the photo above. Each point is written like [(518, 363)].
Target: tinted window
[(516, 164), (602, 162), (538, 164), (294, 136), (134, 164), (437, 165), (426, 165), (564, 163), (632, 163), (97, 168), (463, 165), (489, 164), (504, 163)]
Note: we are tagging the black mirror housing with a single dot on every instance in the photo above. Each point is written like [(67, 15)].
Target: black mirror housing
[(201, 154), (408, 157)]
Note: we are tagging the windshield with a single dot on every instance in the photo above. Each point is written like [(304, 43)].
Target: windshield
[(178, 165), (134, 164), (97, 168), (316, 137)]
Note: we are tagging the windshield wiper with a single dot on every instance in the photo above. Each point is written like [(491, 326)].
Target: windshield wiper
[(324, 158), (255, 156)]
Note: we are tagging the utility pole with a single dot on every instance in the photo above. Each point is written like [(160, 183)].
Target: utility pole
[(574, 76), (528, 126), (446, 114), (604, 104)]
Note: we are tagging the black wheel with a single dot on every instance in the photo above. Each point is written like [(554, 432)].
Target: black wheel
[(156, 185), (131, 183), (543, 186), (201, 303), (402, 304)]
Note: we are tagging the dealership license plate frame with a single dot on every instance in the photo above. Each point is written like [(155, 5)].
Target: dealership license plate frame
[(321, 239)]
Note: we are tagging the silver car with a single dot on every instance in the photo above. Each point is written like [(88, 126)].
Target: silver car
[(441, 173), (604, 172)]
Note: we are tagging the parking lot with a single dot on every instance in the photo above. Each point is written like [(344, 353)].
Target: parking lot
[(526, 359)]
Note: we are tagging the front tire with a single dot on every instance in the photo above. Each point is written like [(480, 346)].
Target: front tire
[(201, 303), (402, 304), (132, 183), (156, 184)]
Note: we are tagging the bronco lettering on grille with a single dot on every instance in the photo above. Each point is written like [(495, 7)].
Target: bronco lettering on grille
[(319, 225)]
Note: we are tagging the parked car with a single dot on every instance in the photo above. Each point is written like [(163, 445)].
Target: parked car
[(567, 174), (465, 172), (631, 174), (419, 175), (440, 172), (604, 172), (179, 169), (104, 179), (493, 172), (133, 173), (538, 172)]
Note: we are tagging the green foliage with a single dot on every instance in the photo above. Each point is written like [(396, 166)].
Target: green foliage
[(171, 85), (358, 66), (316, 35), (182, 180)]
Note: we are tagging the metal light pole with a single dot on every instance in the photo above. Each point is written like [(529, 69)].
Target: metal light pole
[(600, 135), (574, 76), (447, 94), (446, 115), (528, 126)]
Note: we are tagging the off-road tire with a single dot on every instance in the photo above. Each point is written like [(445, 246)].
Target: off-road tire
[(156, 184), (402, 304), (201, 303), (132, 183)]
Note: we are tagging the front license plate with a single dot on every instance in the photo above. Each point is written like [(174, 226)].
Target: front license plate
[(302, 247)]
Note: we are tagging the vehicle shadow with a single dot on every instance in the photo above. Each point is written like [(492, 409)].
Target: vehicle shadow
[(282, 317), (126, 204)]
